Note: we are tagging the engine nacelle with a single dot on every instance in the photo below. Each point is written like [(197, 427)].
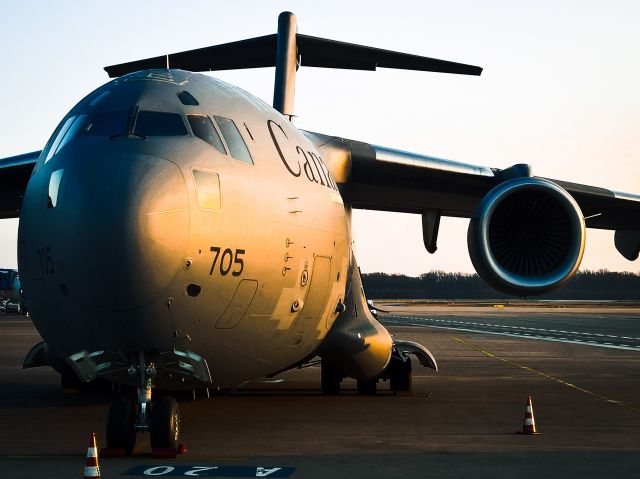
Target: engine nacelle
[(526, 236)]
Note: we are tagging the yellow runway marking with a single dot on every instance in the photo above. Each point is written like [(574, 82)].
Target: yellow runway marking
[(552, 378)]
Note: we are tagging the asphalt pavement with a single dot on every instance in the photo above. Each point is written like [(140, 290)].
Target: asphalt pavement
[(459, 422)]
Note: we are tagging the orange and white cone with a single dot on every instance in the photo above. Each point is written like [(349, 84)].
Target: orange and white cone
[(92, 468), (529, 426)]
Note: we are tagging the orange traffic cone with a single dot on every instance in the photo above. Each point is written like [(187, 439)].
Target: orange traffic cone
[(91, 467), (529, 426)]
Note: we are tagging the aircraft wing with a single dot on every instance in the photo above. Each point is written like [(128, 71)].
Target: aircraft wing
[(380, 178), (15, 172)]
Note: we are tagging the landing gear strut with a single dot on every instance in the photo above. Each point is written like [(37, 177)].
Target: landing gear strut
[(161, 417)]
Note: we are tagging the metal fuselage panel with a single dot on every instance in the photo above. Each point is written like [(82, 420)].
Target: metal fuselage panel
[(116, 251)]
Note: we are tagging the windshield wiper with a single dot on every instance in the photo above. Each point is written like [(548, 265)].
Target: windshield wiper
[(128, 135), (128, 132)]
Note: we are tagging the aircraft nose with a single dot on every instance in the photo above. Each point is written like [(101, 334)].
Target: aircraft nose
[(130, 243)]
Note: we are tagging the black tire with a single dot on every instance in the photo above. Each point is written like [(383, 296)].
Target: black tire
[(120, 421), (400, 372), (330, 379), (367, 387), (165, 423)]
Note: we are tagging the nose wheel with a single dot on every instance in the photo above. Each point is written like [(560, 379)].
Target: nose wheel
[(120, 425), (165, 423), (161, 418)]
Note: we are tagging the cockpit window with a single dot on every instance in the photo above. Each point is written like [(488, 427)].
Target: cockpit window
[(187, 98), (59, 135), (54, 188), (159, 123), (234, 140), (208, 189), (203, 128), (69, 129), (107, 124)]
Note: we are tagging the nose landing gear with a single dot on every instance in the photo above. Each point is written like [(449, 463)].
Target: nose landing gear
[(139, 413), (160, 417)]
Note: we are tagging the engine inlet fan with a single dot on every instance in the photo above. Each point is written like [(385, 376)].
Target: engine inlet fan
[(527, 236)]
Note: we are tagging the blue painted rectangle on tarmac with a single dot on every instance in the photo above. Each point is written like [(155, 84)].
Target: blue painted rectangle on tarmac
[(209, 471)]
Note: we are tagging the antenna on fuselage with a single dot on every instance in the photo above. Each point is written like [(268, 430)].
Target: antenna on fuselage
[(287, 50)]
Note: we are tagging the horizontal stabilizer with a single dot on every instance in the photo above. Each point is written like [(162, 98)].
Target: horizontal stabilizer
[(312, 51), (320, 52), (251, 53)]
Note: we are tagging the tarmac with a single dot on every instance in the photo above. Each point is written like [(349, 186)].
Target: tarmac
[(461, 421)]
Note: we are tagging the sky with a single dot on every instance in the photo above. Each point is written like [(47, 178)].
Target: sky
[(560, 91)]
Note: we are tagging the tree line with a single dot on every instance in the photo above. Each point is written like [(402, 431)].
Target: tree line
[(585, 285)]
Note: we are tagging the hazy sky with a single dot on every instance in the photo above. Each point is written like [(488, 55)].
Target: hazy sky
[(560, 90)]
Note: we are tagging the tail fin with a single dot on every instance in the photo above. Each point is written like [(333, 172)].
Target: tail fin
[(287, 50)]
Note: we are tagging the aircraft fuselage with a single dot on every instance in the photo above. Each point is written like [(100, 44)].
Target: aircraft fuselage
[(148, 226)]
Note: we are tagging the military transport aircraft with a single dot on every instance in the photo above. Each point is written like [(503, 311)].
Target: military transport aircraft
[(10, 285), (176, 232)]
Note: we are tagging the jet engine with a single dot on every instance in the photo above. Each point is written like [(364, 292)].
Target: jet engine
[(526, 236)]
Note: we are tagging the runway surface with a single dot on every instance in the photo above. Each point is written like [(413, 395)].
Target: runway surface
[(458, 422), (609, 327)]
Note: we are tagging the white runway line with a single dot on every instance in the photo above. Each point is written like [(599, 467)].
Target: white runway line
[(516, 334), (521, 327)]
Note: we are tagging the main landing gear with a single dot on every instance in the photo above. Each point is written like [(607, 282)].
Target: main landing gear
[(398, 373), (160, 416)]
